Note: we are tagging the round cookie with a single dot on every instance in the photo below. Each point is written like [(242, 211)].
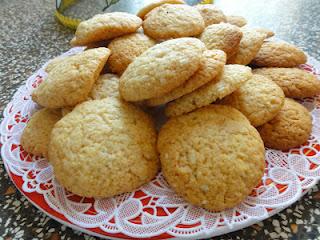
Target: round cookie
[(105, 26), (173, 21), (70, 81), (211, 14), (259, 99), (231, 78), (236, 20), (36, 135), (290, 128), (156, 3), (161, 68), (211, 66), (212, 157), (295, 82), (107, 85), (250, 44), (125, 49), (279, 54), (104, 148), (223, 36)]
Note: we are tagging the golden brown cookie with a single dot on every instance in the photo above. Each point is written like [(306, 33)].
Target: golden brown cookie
[(279, 54), (105, 26), (259, 99), (236, 20), (156, 3), (269, 33), (290, 128), (71, 81), (295, 82), (211, 66), (125, 49), (107, 85), (104, 148), (232, 77), (223, 36), (211, 14), (161, 68), (212, 157), (249, 46), (36, 135), (173, 21)]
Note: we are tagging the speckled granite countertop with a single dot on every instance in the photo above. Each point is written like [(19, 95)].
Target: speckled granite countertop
[(30, 36)]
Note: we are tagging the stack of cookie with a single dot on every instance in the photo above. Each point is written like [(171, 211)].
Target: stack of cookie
[(95, 129)]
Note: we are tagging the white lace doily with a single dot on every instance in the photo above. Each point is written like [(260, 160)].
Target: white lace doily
[(154, 209)]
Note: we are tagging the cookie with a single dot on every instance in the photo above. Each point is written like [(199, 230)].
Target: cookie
[(105, 26), (156, 3), (71, 81), (236, 20), (211, 14), (290, 128), (54, 62), (104, 148), (223, 36), (211, 65), (125, 49), (259, 99), (249, 46), (269, 33), (212, 157), (107, 85), (36, 135), (295, 82), (279, 54), (161, 68), (232, 77), (173, 21)]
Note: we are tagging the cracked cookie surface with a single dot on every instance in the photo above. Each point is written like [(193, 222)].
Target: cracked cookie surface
[(103, 148), (211, 157)]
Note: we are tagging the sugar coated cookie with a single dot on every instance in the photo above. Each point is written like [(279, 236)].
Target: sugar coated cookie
[(36, 135), (259, 99), (295, 82), (71, 81), (105, 26), (290, 128), (236, 20), (156, 3), (269, 33), (107, 85), (232, 77), (250, 44), (212, 157), (161, 68), (173, 21), (104, 148), (125, 49), (211, 66), (211, 14), (223, 36), (279, 54)]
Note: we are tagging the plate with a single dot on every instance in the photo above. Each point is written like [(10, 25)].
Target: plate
[(155, 211)]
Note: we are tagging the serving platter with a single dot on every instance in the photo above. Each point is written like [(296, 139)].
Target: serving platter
[(154, 211)]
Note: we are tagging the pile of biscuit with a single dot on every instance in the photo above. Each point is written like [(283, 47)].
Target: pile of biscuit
[(95, 128)]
